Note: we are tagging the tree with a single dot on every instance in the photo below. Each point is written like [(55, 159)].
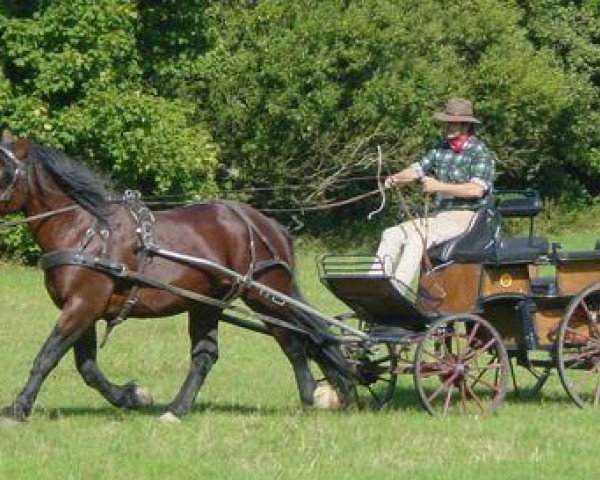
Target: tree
[(73, 78)]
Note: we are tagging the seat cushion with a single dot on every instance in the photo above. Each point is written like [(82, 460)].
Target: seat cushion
[(520, 249), (505, 251)]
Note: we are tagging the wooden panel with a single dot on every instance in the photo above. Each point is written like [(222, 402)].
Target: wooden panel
[(505, 279), (546, 326), (507, 320), (457, 283), (574, 276)]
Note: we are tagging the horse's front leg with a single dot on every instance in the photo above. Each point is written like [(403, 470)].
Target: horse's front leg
[(127, 396), (203, 331), (55, 347)]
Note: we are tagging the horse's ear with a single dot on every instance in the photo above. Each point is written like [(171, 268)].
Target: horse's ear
[(21, 148)]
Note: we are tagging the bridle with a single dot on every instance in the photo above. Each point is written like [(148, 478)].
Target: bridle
[(19, 170), (7, 195)]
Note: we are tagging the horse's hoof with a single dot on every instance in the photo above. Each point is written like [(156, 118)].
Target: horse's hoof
[(143, 396), (13, 413), (169, 417), (325, 397)]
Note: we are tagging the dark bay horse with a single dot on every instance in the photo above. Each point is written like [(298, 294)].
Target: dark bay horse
[(36, 179)]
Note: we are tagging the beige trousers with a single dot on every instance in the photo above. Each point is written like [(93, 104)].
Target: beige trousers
[(407, 240)]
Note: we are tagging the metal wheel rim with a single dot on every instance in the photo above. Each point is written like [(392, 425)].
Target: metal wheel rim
[(455, 378), (578, 355)]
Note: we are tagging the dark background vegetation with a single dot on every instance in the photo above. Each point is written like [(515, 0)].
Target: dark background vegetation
[(245, 99)]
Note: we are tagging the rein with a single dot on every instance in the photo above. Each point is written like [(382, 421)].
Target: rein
[(5, 226), (325, 206)]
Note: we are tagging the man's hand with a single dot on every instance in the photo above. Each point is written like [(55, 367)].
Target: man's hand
[(431, 185), (401, 178), (390, 181)]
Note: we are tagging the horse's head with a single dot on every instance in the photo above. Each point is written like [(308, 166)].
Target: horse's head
[(12, 176)]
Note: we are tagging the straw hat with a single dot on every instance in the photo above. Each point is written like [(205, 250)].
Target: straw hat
[(457, 110)]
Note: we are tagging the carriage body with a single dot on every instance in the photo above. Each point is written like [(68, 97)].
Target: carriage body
[(503, 280)]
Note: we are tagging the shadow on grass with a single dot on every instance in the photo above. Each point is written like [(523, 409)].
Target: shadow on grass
[(156, 410), (407, 399), (541, 398), (404, 399)]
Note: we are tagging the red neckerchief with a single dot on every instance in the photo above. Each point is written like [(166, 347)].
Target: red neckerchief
[(457, 144)]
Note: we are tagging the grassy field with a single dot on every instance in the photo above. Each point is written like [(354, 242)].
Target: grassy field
[(248, 422)]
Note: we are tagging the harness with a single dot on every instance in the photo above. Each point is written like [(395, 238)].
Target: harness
[(20, 168), (147, 248)]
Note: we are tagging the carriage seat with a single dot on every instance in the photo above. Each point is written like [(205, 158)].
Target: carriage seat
[(483, 243), (476, 241), (579, 256), (518, 250)]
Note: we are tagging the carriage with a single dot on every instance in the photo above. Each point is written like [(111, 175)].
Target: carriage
[(484, 303)]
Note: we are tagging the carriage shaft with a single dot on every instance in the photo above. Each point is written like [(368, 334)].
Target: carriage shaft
[(265, 291)]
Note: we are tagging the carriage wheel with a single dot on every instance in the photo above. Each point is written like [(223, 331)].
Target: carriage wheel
[(461, 366), (578, 348), (376, 370)]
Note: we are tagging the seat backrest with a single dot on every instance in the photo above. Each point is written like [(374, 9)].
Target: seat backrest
[(479, 237)]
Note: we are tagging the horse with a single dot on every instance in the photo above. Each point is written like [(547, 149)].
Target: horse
[(70, 208)]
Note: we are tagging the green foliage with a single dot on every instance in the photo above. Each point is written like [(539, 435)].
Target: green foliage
[(63, 50), (18, 245), (170, 38), (143, 140), (75, 73), (72, 78), (272, 93), (292, 97)]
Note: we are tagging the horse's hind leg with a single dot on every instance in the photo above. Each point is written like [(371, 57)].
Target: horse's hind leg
[(329, 358), (294, 346), (127, 396), (203, 330), (295, 350)]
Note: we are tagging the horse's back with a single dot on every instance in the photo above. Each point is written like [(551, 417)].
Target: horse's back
[(222, 231)]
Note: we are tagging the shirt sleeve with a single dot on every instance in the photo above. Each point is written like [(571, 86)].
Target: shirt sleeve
[(483, 167), (426, 164)]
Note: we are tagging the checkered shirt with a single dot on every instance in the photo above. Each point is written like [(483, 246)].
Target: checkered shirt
[(476, 164)]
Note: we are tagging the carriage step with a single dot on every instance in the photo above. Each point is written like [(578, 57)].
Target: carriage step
[(391, 334)]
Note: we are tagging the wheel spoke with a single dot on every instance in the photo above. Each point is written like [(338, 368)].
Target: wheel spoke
[(478, 352), (483, 382), (465, 370), (447, 400), (463, 396), (449, 381), (483, 370), (374, 394), (473, 332), (596, 392), (578, 348), (475, 397), (378, 367), (587, 375), (592, 325)]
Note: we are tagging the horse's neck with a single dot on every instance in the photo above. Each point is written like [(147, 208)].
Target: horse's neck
[(62, 230)]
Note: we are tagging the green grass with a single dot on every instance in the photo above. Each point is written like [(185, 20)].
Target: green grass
[(248, 422)]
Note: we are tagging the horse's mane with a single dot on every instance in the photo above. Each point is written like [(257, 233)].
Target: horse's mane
[(81, 184)]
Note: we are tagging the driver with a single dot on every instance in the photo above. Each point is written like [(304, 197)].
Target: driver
[(459, 170)]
